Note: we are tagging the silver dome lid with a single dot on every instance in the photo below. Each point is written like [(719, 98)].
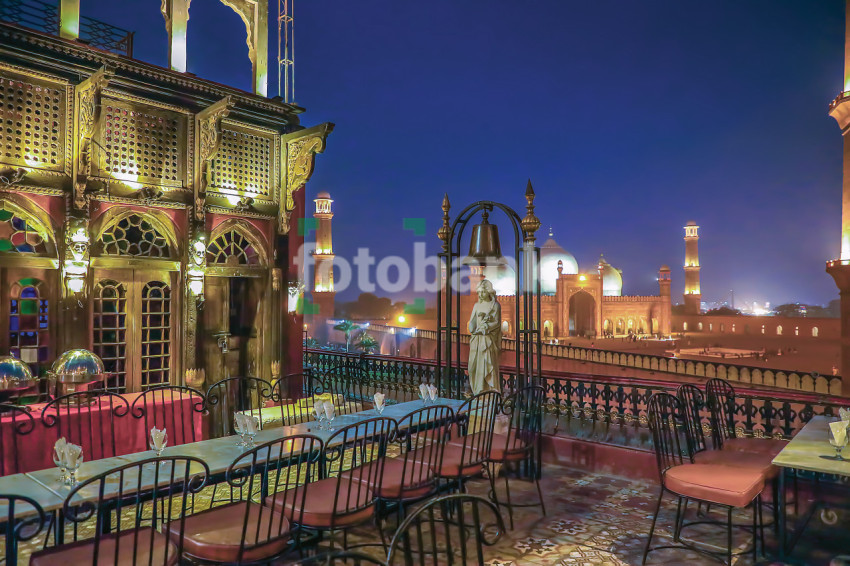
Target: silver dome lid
[(13, 370), (77, 366)]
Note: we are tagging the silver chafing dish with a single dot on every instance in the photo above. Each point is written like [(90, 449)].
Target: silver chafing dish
[(15, 375), (74, 368)]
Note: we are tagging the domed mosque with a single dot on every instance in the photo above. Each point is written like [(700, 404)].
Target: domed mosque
[(581, 303)]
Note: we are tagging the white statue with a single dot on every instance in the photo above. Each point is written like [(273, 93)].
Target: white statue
[(485, 345)]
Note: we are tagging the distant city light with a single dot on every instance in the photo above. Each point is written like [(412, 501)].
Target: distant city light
[(402, 318)]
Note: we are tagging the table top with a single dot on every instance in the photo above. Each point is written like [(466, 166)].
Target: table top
[(806, 448), (219, 453)]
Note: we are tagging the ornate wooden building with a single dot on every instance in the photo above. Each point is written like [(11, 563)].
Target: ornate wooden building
[(147, 214)]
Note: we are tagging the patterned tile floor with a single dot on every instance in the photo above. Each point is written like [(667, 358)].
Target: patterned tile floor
[(593, 519)]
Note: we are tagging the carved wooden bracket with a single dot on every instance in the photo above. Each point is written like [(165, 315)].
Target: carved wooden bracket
[(88, 117), (300, 156), (208, 126)]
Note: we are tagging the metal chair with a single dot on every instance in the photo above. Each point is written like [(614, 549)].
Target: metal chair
[(351, 459), (724, 486), (342, 558), (720, 397), (346, 382), (290, 398), (165, 407), (520, 445), (228, 396), (465, 455), (88, 418), (127, 505), (20, 529), (246, 531), (15, 423), (448, 530)]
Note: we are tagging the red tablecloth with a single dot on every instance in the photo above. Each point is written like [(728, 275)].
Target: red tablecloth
[(91, 428)]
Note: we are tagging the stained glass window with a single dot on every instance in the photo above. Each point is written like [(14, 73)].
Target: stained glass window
[(134, 236), (17, 235), (28, 324), (232, 248)]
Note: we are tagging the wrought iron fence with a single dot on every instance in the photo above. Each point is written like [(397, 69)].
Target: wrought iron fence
[(44, 16), (597, 408)]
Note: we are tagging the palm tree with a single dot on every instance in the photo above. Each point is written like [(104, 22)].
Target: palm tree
[(367, 343), (348, 327)]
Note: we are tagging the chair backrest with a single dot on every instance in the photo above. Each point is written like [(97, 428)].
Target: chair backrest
[(720, 397), (279, 471), (172, 407), (345, 455), (524, 409), (669, 436), (90, 419), (475, 420), (422, 437), (342, 558), (228, 396), (447, 530), (346, 381), (288, 398), (135, 500), (15, 423), (19, 529), (693, 403)]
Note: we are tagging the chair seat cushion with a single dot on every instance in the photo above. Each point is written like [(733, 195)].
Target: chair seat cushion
[(457, 461), (216, 534), (399, 480), (508, 448), (130, 551), (318, 510), (751, 460), (759, 445), (724, 485)]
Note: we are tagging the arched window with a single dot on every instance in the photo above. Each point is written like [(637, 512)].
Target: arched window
[(779, 330), (685, 326), (28, 323), (232, 248), (722, 327), (733, 329), (699, 326), (815, 332), (762, 329), (133, 235), (19, 236), (796, 331)]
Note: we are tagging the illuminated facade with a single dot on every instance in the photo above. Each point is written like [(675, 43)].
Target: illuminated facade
[(580, 303), (323, 288), (692, 296), (145, 213)]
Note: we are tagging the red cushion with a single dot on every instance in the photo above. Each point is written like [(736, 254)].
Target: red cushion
[(457, 462), (751, 444), (508, 448), (215, 535), (130, 551), (751, 460), (318, 509), (714, 483), (418, 480)]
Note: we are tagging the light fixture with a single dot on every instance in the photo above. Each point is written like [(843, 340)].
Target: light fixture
[(76, 265), (197, 267)]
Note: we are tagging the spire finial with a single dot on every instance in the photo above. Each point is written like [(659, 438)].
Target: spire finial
[(551, 232), (530, 224), (445, 230)]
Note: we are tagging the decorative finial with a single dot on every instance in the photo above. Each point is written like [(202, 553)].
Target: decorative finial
[(530, 224), (445, 230), (551, 232)]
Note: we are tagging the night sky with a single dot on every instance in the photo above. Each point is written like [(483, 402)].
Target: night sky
[(630, 118)]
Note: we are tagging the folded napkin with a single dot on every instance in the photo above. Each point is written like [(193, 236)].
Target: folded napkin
[(423, 391), (252, 425), (329, 410), (379, 401), (844, 414), (68, 455), (159, 438), (319, 409), (59, 449), (839, 432), (241, 426), (432, 392)]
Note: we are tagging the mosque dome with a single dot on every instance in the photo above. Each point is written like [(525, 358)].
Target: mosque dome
[(323, 194), (612, 279), (550, 254)]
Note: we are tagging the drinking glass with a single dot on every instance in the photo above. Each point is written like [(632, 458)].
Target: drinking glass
[(71, 480), (380, 410), (240, 430), (838, 448), (161, 448), (252, 432), (63, 471), (330, 421)]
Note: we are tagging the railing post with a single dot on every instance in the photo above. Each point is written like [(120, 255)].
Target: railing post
[(69, 19)]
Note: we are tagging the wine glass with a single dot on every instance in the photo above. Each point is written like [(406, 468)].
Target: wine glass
[(238, 426), (63, 471), (72, 467), (330, 420), (838, 447), (251, 431)]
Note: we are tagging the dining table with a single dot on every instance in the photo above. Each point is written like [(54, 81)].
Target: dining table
[(808, 451), (45, 487)]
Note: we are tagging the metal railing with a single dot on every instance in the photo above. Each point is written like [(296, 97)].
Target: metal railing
[(43, 16), (598, 408)]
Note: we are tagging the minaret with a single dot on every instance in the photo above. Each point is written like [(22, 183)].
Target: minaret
[(323, 288), (692, 293), (839, 268), (666, 319)]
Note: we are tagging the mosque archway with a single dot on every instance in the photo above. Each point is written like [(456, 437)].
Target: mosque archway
[(548, 329), (582, 314), (621, 326)]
